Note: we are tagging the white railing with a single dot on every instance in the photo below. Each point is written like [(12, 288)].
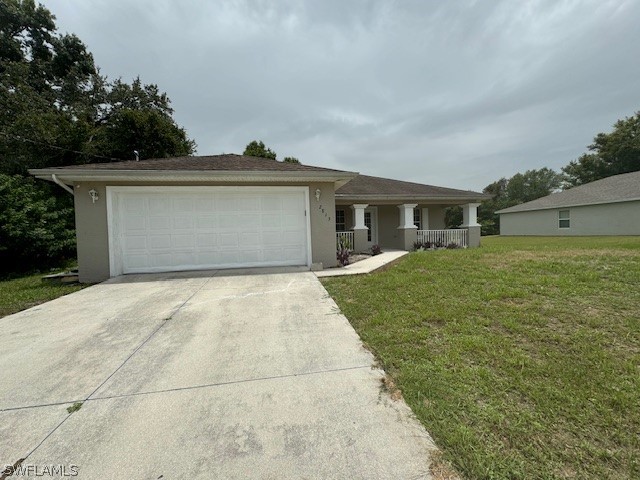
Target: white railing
[(346, 237), (444, 237)]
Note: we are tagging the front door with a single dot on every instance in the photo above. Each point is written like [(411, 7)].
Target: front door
[(371, 221)]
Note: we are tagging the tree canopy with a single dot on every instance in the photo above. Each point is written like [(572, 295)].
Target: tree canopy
[(58, 109), (610, 154), (522, 187), (257, 148)]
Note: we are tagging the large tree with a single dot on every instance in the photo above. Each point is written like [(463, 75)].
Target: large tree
[(57, 109), (610, 154)]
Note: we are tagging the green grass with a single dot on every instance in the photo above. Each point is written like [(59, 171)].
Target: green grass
[(29, 290), (521, 358)]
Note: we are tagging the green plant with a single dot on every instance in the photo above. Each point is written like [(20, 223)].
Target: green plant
[(376, 250), (343, 252), (75, 407), (37, 227)]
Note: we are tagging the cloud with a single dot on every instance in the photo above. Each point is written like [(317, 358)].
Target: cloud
[(451, 93)]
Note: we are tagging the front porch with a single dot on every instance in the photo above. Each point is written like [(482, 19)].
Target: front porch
[(362, 226)]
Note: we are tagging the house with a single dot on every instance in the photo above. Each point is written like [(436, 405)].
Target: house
[(231, 211), (610, 206)]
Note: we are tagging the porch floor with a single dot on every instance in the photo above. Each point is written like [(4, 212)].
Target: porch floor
[(387, 257)]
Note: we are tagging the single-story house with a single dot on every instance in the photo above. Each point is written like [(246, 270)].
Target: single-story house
[(610, 206), (232, 211)]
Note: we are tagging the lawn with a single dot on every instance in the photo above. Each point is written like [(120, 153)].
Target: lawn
[(521, 358), (29, 290)]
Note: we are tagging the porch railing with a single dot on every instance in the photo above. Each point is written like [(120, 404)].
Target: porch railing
[(444, 237), (346, 237)]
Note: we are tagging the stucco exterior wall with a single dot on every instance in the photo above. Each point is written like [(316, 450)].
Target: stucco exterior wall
[(92, 230), (607, 219), (436, 217), (388, 222)]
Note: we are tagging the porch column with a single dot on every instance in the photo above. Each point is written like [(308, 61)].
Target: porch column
[(359, 228), (470, 222), (407, 231)]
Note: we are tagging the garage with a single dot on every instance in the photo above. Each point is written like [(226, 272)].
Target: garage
[(173, 228)]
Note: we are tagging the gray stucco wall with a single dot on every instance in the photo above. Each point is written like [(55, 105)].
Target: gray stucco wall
[(92, 231), (607, 219)]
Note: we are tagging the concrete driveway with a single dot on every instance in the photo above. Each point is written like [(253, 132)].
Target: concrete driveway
[(222, 374)]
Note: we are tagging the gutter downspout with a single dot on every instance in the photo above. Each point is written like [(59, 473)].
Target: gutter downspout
[(66, 187)]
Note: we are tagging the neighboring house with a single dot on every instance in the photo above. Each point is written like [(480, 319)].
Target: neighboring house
[(610, 206), (232, 211)]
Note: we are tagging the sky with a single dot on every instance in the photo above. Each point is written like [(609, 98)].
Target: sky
[(454, 93)]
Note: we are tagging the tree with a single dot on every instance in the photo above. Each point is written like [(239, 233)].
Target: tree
[(56, 109), (522, 187), (36, 226), (291, 160), (258, 149), (611, 154)]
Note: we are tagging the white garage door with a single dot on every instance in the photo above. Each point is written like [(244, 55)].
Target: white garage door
[(159, 229)]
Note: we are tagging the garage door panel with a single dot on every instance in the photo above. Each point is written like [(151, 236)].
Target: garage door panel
[(206, 240), (135, 242), (160, 223), (135, 223), (159, 205), (183, 223), (159, 241), (209, 227), (207, 222), (181, 241)]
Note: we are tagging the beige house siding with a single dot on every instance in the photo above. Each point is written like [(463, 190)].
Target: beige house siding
[(621, 218), (93, 239)]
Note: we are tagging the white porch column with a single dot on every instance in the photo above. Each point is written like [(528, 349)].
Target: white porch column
[(358, 216), (425, 219), (406, 215), (360, 230), (407, 230), (470, 222), (470, 215)]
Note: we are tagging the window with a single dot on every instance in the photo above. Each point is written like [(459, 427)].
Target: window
[(367, 223), (564, 220), (417, 217), (341, 225)]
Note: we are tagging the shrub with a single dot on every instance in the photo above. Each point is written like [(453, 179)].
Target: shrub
[(36, 227), (343, 252), (376, 250), (422, 245), (452, 246)]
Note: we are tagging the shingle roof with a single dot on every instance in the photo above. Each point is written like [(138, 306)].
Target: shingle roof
[(618, 188), (364, 185), (224, 162)]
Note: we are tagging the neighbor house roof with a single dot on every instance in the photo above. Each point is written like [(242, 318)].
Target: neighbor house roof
[(619, 188), (226, 167), (364, 186)]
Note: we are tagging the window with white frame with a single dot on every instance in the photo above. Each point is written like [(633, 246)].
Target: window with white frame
[(564, 219), (417, 217), (341, 225)]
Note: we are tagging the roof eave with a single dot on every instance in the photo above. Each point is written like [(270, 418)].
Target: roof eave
[(573, 205), (242, 176), (429, 198)]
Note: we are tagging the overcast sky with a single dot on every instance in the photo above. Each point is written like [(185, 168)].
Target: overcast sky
[(451, 93)]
